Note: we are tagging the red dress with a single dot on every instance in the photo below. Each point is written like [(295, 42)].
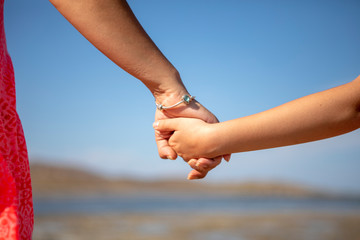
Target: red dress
[(16, 207)]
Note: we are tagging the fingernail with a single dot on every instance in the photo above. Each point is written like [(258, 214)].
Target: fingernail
[(155, 124), (170, 157)]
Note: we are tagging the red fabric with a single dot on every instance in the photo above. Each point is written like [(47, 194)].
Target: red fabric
[(16, 207)]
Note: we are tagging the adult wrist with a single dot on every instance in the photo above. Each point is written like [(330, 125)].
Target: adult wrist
[(186, 99), (175, 100), (170, 90)]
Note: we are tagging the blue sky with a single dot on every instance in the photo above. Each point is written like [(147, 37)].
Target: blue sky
[(237, 57)]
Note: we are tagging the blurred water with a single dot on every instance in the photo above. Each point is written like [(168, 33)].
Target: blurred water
[(204, 204)]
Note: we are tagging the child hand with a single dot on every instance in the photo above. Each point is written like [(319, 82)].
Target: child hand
[(191, 139)]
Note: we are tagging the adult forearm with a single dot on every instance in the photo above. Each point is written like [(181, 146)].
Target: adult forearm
[(314, 117), (111, 26)]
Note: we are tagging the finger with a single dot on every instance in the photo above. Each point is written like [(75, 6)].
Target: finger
[(200, 172), (206, 164), (163, 134), (192, 164), (165, 151), (194, 174), (168, 125), (227, 157)]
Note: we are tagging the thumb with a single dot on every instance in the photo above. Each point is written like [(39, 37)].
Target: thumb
[(168, 125)]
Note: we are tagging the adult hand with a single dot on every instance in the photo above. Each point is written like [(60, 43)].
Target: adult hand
[(201, 166)]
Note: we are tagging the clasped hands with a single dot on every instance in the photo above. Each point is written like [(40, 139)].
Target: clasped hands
[(168, 142)]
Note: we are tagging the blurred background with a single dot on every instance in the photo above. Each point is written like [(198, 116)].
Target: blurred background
[(88, 124)]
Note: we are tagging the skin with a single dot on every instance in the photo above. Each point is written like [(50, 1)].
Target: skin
[(318, 116), (111, 27)]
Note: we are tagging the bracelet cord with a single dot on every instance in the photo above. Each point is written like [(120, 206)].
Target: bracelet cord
[(185, 99)]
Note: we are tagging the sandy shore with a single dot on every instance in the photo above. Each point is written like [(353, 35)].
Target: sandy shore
[(294, 226), (154, 210)]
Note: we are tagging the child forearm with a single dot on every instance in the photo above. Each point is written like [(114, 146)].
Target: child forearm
[(321, 115)]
